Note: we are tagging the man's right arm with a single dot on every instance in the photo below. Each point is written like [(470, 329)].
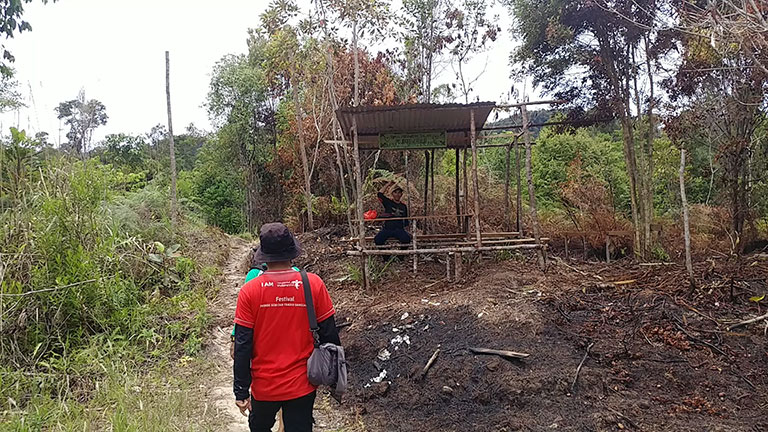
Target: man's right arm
[(242, 367)]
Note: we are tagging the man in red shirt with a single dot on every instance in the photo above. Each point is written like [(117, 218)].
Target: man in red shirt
[(273, 340)]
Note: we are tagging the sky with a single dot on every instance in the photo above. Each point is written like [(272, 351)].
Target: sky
[(115, 51)]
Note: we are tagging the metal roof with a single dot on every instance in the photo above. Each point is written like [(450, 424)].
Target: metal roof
[(375, 120)]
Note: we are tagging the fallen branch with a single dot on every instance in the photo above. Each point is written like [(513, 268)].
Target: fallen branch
[(578, 369), (50, 289), (627, 419), (429, 363), (560, 261), (500, 353), (749, 321), (701, 341)]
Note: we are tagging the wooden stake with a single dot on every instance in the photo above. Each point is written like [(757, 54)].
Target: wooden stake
[(578, 369), (174, 202), (531, 190), (429, 364), (476, 185), (426, 183)]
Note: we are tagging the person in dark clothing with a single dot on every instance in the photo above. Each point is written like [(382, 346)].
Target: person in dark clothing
[(273, 340), (393, 208)]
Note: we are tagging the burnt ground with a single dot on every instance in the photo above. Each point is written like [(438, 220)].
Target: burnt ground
[(661, 357)]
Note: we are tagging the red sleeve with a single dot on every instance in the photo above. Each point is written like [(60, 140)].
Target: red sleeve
[(322, 300), (244, 312)]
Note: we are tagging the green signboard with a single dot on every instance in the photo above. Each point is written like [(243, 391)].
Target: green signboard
[(412, 140)]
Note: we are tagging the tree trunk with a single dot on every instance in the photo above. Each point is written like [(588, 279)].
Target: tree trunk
[(531, 189), (302, 150), (686, 224), (174, 202), (649, 168)]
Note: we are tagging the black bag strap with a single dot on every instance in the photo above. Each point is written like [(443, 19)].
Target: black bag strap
[(313, 327)]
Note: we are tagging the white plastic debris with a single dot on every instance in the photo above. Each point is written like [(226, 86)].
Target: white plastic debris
[(405, 316), (384, 354), (380, 378)]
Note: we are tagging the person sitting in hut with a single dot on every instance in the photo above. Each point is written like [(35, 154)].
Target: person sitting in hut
[(396, 210)]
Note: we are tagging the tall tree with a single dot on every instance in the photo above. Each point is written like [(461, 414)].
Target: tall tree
[(469, 31), (586, 52), (724, 87), (83, 117), (423, 39), (240, 103)]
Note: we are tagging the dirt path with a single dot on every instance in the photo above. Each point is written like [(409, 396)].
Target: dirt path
[(220, 395)]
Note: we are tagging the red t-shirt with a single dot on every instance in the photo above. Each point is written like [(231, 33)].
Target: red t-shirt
[(273, 306)]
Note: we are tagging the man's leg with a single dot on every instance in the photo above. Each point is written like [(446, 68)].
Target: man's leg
[(297, 413), (403, 236), (262, 416), (382, 237)]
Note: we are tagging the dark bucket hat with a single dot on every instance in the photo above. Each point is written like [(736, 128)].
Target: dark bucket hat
[(276, 243)]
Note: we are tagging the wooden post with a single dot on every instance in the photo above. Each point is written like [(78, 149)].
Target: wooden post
[(411, 221), (426, 184), (359, 202), (686, 223), (566, 247), (608, 248), (476, 186), (531, 190), (457, 265), (448, 258), (174, 202), (519, 186), (466, 191), (584, 246), (458, 204), (432, 186), (507, 216)]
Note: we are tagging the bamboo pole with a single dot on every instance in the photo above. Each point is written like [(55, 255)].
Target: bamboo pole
[(441, 250), (531, 191), (476, 185)]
